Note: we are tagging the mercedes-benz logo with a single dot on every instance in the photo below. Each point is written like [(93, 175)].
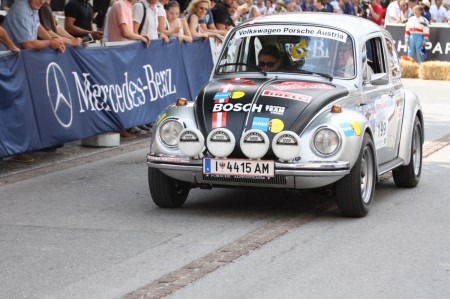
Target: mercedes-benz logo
[(59, 95)]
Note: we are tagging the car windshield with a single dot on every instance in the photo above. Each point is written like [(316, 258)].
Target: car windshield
[(289, 48)]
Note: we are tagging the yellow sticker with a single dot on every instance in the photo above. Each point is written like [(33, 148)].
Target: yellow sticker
[(237, 95), (276, 125), (298, 51), (356, 128), (161, 118)]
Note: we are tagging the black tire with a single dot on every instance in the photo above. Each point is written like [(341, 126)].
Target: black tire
[(355, 191), (408, 176), (167, 192)]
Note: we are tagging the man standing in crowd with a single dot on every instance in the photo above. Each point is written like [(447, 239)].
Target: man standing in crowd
[(348, 8), (438, 12), (376, 12), (22, 25), (145, 19), (221, 14), (426, 10), (411, 4), (319, 6), (120, 23), (121, 28), (394, 13), (79, 19), (49, 23), (6, 41)]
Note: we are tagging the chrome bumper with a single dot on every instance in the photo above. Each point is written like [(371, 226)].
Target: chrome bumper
[(296, 175)]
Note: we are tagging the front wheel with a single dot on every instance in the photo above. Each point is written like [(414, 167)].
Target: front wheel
[(409, 176), (167, 192), (355, 191)]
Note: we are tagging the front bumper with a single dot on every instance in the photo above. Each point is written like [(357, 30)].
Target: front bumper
[(293, 175)]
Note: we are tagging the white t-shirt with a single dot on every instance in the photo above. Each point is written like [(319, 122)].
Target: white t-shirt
[(393, 9), (150, 27), (438, 14), (336, 7)]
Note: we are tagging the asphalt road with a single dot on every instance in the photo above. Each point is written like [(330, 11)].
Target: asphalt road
[(86, 228)]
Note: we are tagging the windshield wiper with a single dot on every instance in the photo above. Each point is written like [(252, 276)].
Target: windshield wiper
[(253, 66), (328, 76)]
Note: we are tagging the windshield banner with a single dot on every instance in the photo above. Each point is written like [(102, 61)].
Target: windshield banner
[(49, 98), (292, 30)]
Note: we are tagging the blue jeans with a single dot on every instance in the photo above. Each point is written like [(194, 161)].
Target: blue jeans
[(414, 47)]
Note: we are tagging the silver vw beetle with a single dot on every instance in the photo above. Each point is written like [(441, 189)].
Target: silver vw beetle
[(295, 101)]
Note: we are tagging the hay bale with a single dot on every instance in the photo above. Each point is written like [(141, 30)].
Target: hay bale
[(435, 70), (409, 69)]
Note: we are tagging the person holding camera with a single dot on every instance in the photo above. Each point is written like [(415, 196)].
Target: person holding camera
[(375, 12)]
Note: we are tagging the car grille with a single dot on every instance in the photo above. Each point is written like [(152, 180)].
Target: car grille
[(276, 180)]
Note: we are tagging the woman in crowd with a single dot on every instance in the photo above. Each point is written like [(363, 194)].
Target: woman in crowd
[(250, 9), (268, 8), (197, 11), (174, 21)]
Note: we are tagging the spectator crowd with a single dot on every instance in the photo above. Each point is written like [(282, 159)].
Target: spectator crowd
[(31, 24)]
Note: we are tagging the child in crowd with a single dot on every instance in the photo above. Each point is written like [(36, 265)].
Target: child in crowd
[(174, 21)]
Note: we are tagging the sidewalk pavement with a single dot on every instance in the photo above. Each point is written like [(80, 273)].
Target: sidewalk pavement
[(70, 151)]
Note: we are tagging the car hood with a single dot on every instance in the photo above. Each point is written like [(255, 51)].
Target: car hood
[(271, 105)]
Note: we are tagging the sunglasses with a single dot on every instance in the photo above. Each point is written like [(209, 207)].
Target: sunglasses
[(268, 64), (202, 8)]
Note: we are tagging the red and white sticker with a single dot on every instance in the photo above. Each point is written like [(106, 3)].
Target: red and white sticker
[(301, 85), (287, 95), (219, 119)]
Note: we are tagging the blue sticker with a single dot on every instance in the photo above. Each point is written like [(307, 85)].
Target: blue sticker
[(207, 166), (349, 133), (348, 130), (222, 95), (260, 123)]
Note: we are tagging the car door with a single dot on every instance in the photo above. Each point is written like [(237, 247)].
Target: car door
[(383, 96)]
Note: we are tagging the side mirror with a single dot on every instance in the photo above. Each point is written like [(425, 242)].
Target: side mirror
[(379, 79)]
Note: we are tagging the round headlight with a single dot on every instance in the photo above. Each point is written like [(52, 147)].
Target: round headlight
[(191, 142), (326, 141), (220, 142), (286, 145), (169, 131), (254, 143)]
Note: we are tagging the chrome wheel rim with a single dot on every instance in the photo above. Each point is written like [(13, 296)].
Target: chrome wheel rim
[(366, 175), (416, 152)]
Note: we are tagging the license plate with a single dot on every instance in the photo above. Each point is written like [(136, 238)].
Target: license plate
[(238, 167)]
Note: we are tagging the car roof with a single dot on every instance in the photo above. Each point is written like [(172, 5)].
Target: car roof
[(358, 27)]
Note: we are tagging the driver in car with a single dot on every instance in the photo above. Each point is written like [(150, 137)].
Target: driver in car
[(344, 66), (269, 58)]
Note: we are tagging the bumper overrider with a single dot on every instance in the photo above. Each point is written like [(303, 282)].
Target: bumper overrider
[(288, 172)]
